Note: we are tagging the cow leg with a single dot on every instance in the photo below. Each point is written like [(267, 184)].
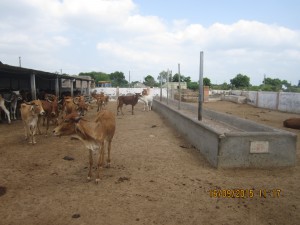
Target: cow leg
[(30, 141), (122, 109), (38, 125), (91, 164), (33, 135), (132, 110), (7, 113), (47, 125), (100, 162), (26, 131), (108, 154), (150, 106)]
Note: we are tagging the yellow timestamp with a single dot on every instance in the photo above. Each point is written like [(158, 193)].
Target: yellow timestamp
[(244, 193)]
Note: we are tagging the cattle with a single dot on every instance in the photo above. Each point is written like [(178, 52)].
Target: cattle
[(101, 99), (14, 98), (82, 107), (68, 105), (51, 111), (30, 112), (147, 98), (293, 123), (3, 107), (127, 100), (95, 135)]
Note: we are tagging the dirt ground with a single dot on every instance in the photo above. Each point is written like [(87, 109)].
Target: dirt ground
[(156, 177)]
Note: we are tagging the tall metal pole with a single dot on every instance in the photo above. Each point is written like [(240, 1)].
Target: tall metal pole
[(200, 98), (179, 87), (20, 64), (160, 98), (129, 78), (168, 87)]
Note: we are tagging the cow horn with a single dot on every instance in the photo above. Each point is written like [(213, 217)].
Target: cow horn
[(48, 100), (28, 103), (74, 102)]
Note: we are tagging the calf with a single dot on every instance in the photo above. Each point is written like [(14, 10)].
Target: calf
[(93, 134), (3, 107), (147, 98), (30, 113), (293, 123), (127, 100), (101, 99)]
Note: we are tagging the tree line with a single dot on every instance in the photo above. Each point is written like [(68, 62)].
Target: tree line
[(240, 81)]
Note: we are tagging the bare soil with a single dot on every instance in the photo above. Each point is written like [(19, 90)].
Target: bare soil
[(156, 177)]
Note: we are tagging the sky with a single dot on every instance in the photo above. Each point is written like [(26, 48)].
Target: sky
[(257, 38)]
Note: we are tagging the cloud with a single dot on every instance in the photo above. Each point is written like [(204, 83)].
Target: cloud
[(113, 34)]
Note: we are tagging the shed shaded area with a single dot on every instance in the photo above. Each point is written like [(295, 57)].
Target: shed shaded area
[(35, 81)]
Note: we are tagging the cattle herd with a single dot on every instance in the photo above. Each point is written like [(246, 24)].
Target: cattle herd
[(68, 115)]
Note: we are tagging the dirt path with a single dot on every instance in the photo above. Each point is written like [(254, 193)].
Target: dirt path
[(155, 178)]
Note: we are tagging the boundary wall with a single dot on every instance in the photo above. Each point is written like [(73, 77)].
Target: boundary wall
[(282, 101)]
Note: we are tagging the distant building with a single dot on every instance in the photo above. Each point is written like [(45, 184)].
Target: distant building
[(104, 84), (175, 85), (139, 85)]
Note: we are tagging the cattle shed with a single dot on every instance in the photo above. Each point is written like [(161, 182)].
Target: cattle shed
[(230, 142), (14, 78)]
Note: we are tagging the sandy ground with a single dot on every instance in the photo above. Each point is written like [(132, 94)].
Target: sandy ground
[(156, 177)]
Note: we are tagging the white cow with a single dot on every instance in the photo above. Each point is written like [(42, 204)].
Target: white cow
[(147, 98), (2, 106)]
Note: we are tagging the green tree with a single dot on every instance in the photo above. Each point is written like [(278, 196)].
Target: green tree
[(149, 81), (97, 76), (163, 75), (193, 86), (240, 81), (118, 79), (175, 78), (206, 81)]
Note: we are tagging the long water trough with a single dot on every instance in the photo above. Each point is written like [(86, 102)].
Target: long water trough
[(230, 142)]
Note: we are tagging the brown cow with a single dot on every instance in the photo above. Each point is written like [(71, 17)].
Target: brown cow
[(101, 99), (82, 106), (93, 134), (51, 112), (293, 123), (127, 100), (30, 112)]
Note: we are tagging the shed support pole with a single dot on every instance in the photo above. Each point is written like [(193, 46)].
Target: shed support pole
[(33, 86), (71, 85), (56, 87)]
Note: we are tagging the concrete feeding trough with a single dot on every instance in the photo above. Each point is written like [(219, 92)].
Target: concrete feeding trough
[(230, 142)]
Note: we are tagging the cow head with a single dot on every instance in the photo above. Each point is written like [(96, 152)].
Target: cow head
[(36, 107), (54, 103), (67, 126)]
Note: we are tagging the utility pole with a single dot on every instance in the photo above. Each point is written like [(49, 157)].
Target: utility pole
[(200, 98), (129, 78), (179, 87), (20, 61)]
